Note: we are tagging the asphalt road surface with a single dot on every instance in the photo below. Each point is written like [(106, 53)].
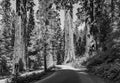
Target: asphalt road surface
[(70, 76)]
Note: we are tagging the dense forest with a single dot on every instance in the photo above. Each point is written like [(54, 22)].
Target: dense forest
[(39, 34)]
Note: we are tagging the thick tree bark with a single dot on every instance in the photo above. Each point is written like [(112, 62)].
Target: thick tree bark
[(19, 51), (50, 58), (87, 35), (69, 44), (50, 55), (19, 58), (17, 45)]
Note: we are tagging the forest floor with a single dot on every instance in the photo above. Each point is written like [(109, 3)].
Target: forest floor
[(67, 74)]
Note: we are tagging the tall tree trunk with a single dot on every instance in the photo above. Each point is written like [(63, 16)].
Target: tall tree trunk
[(87, 35), (45, 55), (17, 46), (23, 33), (50, 58), (51, 48), (89, 26), (19, 59), (69, 45)]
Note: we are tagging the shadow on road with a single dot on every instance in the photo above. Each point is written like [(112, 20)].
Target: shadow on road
[(70, 76), (62, 76)]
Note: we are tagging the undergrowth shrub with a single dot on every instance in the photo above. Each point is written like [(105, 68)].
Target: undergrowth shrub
[(27, 78), (105, 65), (105, 69)]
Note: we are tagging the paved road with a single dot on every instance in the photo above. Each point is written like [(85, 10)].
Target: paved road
[(70, 76)]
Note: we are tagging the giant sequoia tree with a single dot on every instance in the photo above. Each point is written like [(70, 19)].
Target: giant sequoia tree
[(68, 25), (19, 58)]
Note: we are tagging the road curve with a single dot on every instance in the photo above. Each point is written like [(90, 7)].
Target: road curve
[(70, 76)]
